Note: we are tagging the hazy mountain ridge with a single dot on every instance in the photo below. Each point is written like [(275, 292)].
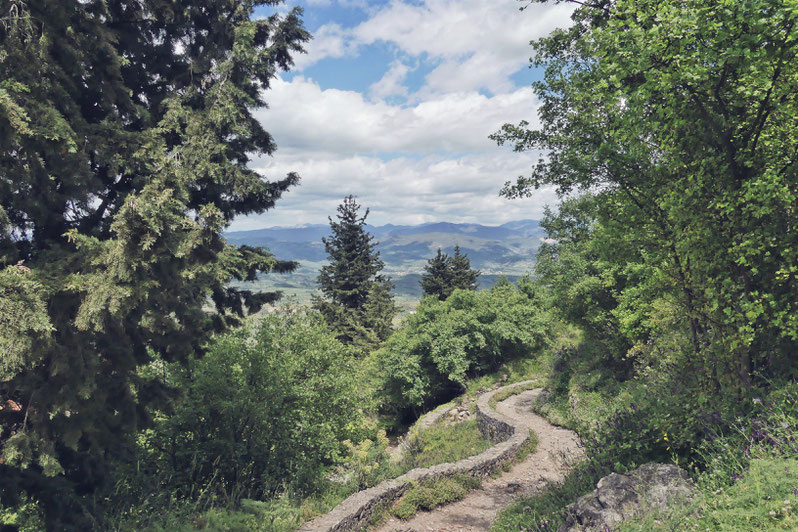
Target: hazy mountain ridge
[(507, 248)]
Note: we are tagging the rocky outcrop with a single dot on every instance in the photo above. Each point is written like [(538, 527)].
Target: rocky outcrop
[(355, 511), (616, 497)]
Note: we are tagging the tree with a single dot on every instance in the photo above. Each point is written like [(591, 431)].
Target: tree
[(437, 279), (683, 114), (463, 276), (356, 299), (446, 343), (444, 274), (126, 129)]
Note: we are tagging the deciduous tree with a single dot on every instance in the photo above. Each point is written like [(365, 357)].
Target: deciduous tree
[(684, 114)]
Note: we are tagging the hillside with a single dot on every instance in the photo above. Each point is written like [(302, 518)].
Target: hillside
[(506, 249)]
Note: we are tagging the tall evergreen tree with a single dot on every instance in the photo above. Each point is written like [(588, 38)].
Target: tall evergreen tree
[(356, 300), (126, 127), (437, 277), (444, 274), (463, 276)]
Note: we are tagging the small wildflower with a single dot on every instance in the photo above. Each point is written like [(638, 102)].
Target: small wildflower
[(757, 400)]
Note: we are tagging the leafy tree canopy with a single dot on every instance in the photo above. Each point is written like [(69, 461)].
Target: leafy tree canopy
[(447, 342), (684, 115), (268, 408), (126, 129)]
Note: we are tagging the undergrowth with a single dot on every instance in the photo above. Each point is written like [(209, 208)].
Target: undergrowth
[(429, 494)]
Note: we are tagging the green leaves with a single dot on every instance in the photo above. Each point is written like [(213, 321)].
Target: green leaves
[(683, 115), (25, 327), (445, 343)]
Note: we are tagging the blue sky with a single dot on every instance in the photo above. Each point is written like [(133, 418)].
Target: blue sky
[(394, 101)]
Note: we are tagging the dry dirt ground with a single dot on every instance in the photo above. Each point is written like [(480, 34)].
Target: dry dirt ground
[(556, 449)]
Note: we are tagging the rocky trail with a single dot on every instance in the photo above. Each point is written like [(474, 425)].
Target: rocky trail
[(556, 449)]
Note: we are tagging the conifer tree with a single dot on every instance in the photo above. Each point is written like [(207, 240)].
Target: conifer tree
[(356, 300), (125, 132), (444, 274), (463, 276), (437, 279)]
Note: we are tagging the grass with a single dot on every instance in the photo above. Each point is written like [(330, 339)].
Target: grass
[(546, 512), (501, 395), (443, 444), (429, 494), (765, 498)]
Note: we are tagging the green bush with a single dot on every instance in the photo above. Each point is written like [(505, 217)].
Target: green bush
[(266, 410), (448, 342)]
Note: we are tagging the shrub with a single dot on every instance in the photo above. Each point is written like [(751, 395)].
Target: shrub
[(448, 342), (266, 410)]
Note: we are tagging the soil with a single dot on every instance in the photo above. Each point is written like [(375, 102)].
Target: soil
[(557, 449)]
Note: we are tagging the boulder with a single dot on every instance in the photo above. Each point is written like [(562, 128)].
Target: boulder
[(650, 487)]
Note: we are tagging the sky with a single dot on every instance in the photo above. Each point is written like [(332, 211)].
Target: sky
[(394, 101)]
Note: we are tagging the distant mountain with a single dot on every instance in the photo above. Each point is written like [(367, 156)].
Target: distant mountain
[(504, 249)]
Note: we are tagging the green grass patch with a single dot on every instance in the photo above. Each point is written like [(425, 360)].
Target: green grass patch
[(546, 512), (430, 494), (764, 498), (501, 395), (443, 444)]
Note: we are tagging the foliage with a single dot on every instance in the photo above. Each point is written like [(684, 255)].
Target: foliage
[(356, 299), (369, 462), (443, 444), (428, 494), (682, 114), (266, 410), (448, 342), (444, 274), (545, 512), (125, 132)]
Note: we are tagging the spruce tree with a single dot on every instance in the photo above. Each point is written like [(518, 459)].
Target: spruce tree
[(356, 300), (444, 274), (463, 276), (437, 279), (126, 129)]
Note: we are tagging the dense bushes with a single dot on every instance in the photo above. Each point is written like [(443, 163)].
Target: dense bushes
[(266, 410), (469, 334)]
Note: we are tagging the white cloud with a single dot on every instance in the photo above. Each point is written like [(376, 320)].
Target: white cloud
[(391, 83), (401, 190), (303, 116), (479, 43), (331, 40), (429, 159)]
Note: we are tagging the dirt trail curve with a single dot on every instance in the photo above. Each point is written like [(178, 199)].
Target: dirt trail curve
[(556, 448)]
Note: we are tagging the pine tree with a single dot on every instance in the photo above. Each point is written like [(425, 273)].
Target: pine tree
[(437, 279), (356, 300), (126, 129), (444, 274), (463, 276)]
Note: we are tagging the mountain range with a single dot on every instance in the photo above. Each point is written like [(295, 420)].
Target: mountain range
[(507, 249)]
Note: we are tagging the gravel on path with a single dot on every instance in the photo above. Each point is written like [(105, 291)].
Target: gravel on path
[(557, 448)]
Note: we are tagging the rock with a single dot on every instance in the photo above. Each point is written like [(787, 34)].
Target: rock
[(650, 487)]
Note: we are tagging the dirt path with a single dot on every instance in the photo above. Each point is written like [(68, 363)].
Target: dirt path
[(477, 510)]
